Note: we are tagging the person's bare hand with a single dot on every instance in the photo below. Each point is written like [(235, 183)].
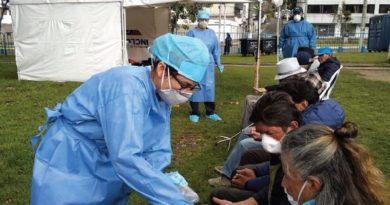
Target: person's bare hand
[(254, 134), (222, 202), (242, 176)]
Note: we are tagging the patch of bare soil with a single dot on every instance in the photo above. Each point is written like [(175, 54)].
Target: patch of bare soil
[(381, 75), (184, 145)]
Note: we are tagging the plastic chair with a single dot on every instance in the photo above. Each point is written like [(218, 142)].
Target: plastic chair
[(330, 85)]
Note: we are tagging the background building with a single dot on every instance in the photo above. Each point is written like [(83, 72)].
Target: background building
[(322, 14)]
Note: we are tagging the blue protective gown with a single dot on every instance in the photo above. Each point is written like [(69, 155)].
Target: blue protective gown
[(295, 35), (207, 93), (109, 137)]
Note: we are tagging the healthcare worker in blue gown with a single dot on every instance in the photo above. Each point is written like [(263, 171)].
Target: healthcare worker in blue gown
[(207, 94), (111, 136), (296, 33)]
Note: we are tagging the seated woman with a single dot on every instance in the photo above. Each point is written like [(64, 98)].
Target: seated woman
[(322, 166), (273, 121)]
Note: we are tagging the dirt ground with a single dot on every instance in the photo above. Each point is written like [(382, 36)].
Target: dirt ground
[(375, 74)]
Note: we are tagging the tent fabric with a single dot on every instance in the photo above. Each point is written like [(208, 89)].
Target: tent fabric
[(64, 42), (142, 31), (70, 40)]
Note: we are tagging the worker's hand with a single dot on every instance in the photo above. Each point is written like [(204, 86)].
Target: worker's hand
[(220, 68), (280, 54), (222, 202), (242, 176)]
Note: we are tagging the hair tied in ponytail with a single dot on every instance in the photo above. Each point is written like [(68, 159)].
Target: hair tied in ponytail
[(348, 130)]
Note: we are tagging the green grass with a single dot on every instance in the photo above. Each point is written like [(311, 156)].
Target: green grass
[(378, 59), (366, 102)]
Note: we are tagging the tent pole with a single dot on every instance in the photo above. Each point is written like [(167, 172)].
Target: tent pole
[(224, 21), (125, 61), (277, 35), (257, 71)]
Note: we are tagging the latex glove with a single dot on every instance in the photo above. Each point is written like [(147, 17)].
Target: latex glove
[(280, 54), (220, 68)]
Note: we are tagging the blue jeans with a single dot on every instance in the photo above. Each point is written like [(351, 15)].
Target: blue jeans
[(243, 144)]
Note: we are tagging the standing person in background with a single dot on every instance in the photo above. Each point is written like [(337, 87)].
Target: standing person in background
[(207, 94), (296, 33), (228, 44)]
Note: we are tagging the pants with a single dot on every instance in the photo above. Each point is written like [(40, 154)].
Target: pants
[(209, 106), (226, 50), (257, 156), (243, 144)]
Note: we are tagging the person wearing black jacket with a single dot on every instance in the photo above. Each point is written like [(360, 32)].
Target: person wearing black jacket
[(328, 64)]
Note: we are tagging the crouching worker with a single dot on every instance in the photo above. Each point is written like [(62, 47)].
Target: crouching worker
[(111, 136)]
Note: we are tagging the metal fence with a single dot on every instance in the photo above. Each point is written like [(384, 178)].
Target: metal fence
[(7, 43), (348, 42)]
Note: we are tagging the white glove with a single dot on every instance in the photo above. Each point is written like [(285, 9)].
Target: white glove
[(280, 54)]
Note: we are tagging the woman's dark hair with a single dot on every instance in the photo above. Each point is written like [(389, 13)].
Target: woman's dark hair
[(276, 109), (344, 167), (299, 90)]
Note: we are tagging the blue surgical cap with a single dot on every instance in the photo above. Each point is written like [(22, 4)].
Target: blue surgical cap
[(189, 56), (203, 14), (324, 50)]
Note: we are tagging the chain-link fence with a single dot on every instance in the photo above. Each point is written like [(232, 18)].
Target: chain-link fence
[(7, 43)]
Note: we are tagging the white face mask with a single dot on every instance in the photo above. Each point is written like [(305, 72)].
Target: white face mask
[(172, 96), (202, 24), (297, 18), (270, 144), (291, 199)]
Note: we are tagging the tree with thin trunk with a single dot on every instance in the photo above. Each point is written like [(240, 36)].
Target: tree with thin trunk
[(4, 8), (184, 11)]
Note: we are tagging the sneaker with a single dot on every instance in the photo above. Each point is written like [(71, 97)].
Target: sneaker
[(218, 169), (194, 118), (219, 181), (214, 117)]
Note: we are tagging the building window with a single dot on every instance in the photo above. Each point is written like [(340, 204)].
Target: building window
[(370, 8), (324, 29), (322, 9), (384, 8), (358, 8), (313, 9), (329, 9), (354, 8)]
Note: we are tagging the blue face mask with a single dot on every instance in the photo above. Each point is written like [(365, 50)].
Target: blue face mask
[(293, 202), (310, 202)]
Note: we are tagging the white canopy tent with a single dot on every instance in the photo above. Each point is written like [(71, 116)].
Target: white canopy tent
[(66, 40), (70, 40)]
